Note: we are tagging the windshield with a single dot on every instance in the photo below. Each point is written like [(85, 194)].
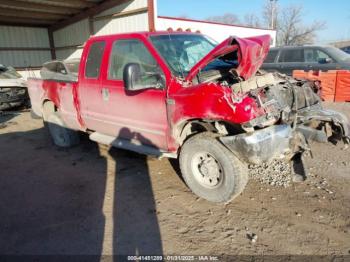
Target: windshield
[(182, 52), (338, 54)]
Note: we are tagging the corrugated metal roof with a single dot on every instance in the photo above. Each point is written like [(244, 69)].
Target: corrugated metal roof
[(45, 12), (75, 34), (125, 24), (68, 24), (15, 36), (24, 58)]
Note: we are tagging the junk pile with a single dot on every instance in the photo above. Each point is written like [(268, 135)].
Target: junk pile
[(13, 89)]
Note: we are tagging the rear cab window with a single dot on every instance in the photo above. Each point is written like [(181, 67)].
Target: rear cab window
[(94, 60), (294, 55), (61, 69), (271, 57)]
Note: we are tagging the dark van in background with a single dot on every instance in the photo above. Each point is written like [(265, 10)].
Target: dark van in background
[(324, 58)]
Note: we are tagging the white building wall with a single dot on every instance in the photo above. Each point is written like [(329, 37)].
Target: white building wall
[(128, 6), (133, 23), (68, 40), (103, 24), (74, 34), (24, 37), (218, 32)]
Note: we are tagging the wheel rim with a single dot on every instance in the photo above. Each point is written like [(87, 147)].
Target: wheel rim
[(207, 170)]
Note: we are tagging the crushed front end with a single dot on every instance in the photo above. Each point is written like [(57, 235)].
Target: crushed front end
[(276, 115), (292, 116)]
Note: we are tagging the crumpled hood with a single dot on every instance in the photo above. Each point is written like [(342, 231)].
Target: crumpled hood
[(251, 54)]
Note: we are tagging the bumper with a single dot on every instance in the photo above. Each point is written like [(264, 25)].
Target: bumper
[(263, 145), (338, 122), (280, 141)]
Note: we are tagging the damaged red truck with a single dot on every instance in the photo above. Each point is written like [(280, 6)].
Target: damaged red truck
[(181, 95)]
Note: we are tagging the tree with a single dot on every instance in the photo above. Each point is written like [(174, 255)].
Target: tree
[(252, 20), (288, 21), (227, 18), (292, 31), (270, 13)]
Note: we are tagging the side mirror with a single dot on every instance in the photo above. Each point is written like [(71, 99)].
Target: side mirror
[(133, 77), (324, 60)]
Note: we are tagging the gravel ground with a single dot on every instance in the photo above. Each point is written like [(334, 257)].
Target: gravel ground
[(276, 173), (94, 200)]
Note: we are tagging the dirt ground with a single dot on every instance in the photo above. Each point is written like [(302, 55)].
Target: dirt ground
[(93, 200)]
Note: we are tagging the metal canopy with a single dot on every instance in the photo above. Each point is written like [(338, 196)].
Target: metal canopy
[(53, 14)]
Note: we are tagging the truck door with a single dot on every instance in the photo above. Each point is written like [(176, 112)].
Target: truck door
[(137, 115), (290, 60), (90, 85), (317, 59)]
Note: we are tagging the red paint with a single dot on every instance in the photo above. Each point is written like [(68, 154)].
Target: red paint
[(147, 115)]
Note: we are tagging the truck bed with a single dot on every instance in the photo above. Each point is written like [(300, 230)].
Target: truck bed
[(62, 93)]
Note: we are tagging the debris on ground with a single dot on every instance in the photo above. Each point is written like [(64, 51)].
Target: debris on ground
[(252, 237), (277, 173)]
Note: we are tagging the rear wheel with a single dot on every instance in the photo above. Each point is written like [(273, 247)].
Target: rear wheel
[(210, 170), (60, 134)]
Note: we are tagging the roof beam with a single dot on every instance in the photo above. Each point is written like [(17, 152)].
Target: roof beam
[(28, 22), (52, 44), (19, 5), (89, 12), (36, 15), (80, 4)]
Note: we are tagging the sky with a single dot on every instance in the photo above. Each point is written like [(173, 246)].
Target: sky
[(336, 13)]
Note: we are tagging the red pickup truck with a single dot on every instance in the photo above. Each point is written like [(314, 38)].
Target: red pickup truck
[(182, 95)]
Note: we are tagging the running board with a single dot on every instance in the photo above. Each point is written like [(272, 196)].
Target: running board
[(129, 145)]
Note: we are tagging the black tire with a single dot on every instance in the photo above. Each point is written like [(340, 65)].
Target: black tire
[(231, 175), (60, 134)]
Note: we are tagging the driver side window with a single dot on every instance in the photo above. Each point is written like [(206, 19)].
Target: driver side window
[(322, 55), (132, 51)]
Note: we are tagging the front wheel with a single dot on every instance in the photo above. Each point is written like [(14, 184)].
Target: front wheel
[(210, 170)]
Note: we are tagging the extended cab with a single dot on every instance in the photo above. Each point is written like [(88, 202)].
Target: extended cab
[(184, 96)]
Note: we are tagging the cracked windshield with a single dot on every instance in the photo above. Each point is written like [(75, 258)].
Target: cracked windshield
[(182, 52)]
